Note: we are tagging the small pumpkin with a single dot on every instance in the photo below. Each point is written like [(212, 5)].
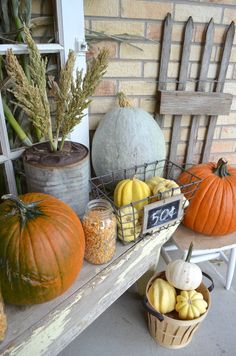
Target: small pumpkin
[(130, 191), (190, 305), (212, 210), (152, 182), (162, 296), (184, 275), (41, 248), (167, 188)]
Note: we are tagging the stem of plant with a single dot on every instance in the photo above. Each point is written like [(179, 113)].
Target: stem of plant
[(16, 127), (62, 143), (190, 249)]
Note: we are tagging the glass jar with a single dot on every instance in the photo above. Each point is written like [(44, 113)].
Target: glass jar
[(99, 225)]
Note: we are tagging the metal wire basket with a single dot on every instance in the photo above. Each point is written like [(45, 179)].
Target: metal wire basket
[(129, 219)]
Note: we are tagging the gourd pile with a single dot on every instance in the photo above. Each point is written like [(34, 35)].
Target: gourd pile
[(139, 193), (178, 292)]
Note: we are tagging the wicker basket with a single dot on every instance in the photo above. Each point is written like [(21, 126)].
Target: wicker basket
[(167, 329)]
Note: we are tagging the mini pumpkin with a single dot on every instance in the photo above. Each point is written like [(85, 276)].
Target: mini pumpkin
[(152, 182), (131, 191), (167, 188), (182, 274), (41, 248), (190, 305)]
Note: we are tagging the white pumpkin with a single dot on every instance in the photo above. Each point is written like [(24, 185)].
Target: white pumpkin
[(184, 275), (126, 137)]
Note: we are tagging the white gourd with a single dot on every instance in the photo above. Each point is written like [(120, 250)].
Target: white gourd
[(184, 275)]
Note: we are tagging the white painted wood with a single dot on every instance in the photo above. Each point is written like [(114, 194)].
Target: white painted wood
[(231, 268), (71, 31), (47, 328), (22, 48)]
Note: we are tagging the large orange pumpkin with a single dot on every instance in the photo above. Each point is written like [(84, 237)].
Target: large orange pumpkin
[(212, 210), (41, 248)]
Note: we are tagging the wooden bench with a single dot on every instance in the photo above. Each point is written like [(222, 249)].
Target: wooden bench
[(48, 328), (204, 248)]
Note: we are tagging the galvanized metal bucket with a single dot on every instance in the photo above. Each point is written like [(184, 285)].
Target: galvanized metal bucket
[(66, 179)]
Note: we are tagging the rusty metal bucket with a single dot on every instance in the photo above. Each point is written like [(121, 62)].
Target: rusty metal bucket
[(59, 174)]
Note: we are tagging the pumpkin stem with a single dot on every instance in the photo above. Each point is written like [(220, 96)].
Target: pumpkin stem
[(26, 211), (221, 168), (123, 100), (189, 255)]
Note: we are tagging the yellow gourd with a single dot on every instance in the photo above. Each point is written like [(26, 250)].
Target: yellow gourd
[(3, 319), (129, 232), (131, 190), (162, 296), (190, 305), (126, 215), (127, 222), (152, 182), (167, 187)]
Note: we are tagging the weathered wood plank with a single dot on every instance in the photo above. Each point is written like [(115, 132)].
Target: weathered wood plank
[(165, 55), (201, 87), (48, 328), (195, 103), (219, 88), (175, 136)]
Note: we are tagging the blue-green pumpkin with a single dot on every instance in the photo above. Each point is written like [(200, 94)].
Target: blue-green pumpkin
[(126, 137)]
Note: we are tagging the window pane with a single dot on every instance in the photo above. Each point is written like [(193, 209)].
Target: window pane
[(43, 21), (39, 18), (3, 185)]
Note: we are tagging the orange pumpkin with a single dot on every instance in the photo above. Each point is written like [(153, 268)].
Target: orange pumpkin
[(41, 248), (212, 210)]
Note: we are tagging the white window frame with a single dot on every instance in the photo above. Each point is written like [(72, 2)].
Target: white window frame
[(70, 20)]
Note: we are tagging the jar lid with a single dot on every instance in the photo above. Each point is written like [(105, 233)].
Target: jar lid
[(102, 205)]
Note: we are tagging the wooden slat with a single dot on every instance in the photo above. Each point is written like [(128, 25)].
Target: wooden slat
[(219, 88), (195, 103), (201, 87), (175, 137), (165, 56), (23, 48)]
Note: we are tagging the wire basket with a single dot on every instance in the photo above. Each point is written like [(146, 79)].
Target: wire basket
[(129, 218)]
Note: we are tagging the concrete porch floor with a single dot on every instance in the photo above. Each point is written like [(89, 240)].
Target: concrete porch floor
[(122, 329)]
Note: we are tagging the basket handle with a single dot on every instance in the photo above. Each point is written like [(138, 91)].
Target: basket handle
[(211, 286), (150, 310)]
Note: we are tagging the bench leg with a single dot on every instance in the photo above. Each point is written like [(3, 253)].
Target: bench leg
[(231, 267)]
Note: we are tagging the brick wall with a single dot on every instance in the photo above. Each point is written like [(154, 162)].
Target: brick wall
[(135, 70)]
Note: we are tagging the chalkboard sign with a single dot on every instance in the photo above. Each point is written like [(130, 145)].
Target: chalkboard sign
[(162, 212)]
